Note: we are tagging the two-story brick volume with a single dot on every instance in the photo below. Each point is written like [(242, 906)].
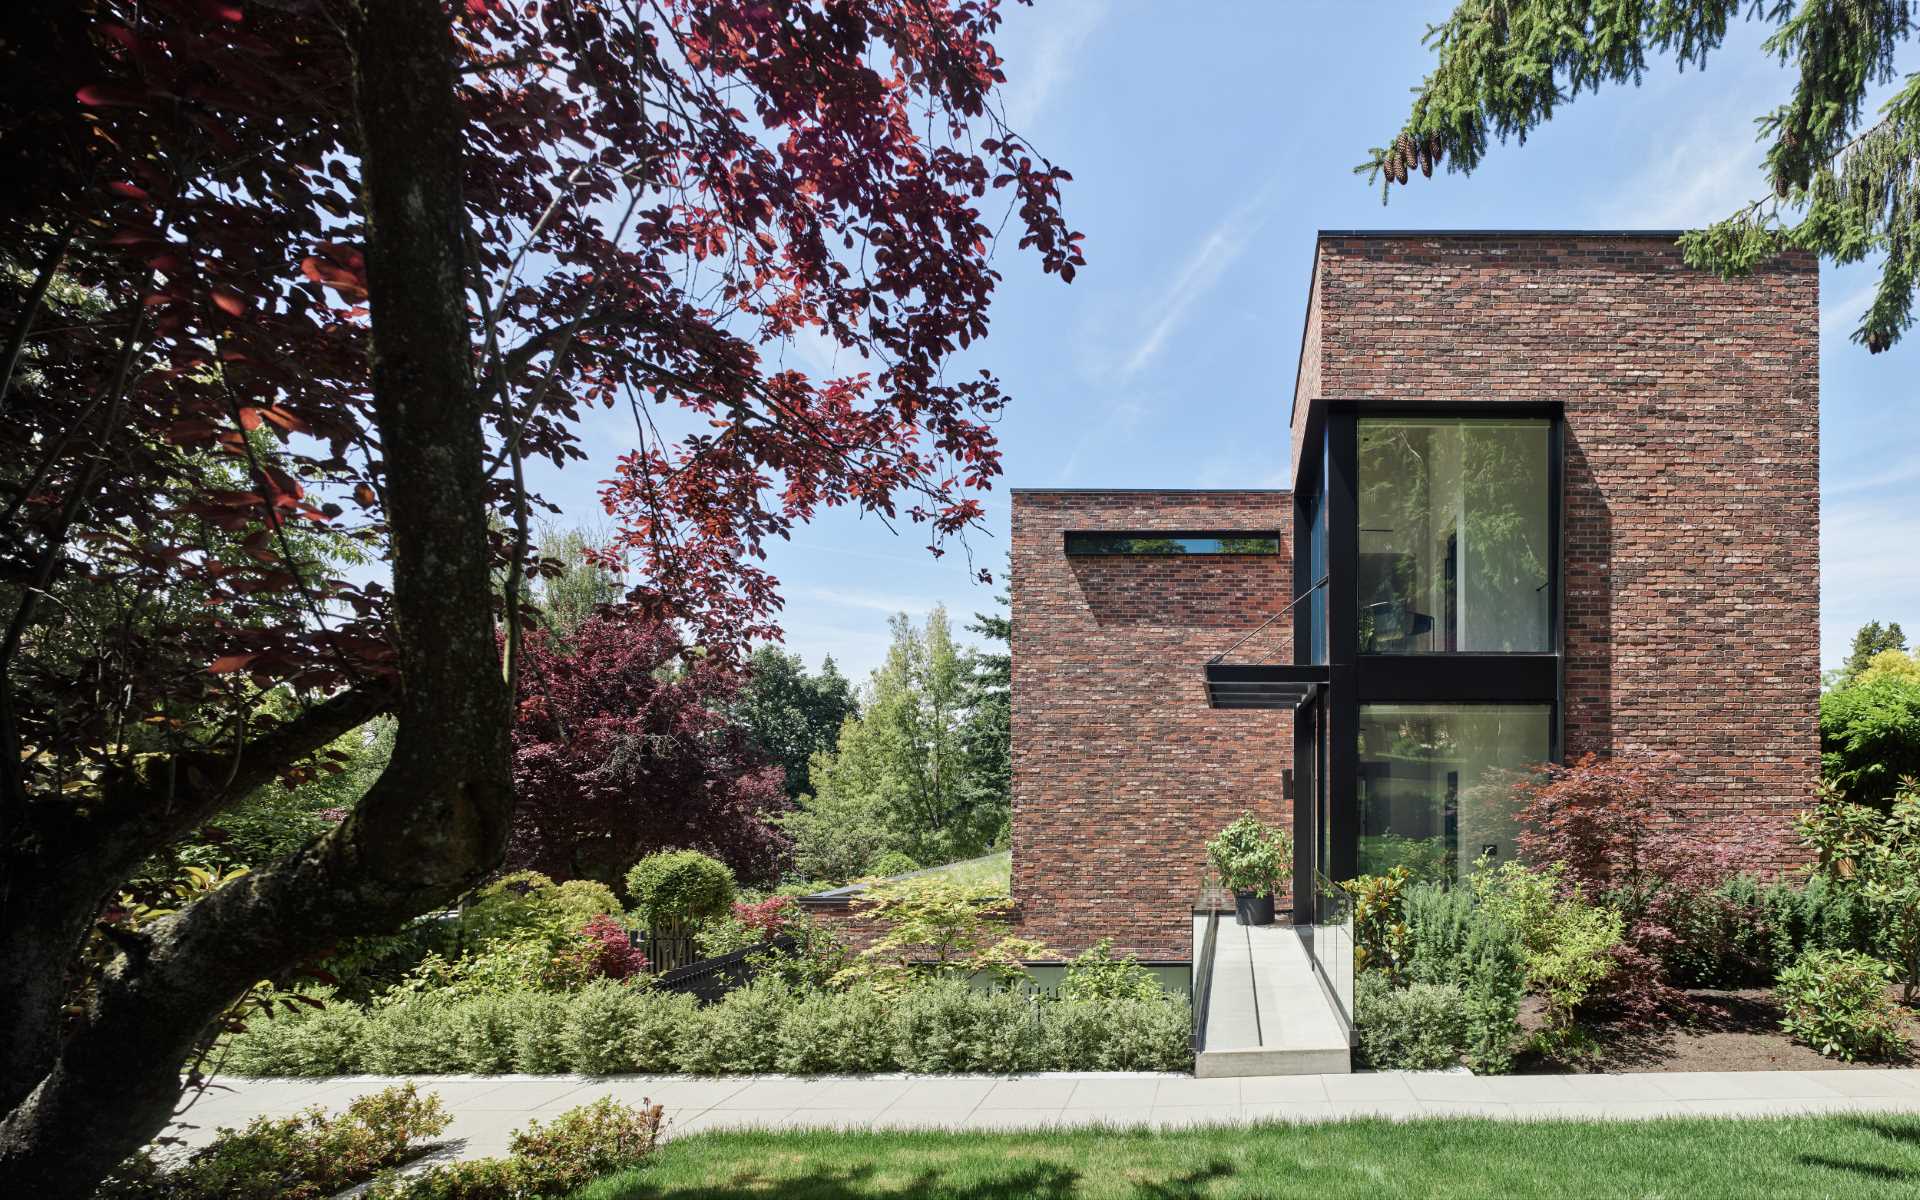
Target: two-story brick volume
[(1553, 493)]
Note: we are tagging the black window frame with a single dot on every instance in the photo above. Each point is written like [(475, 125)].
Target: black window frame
[(1218, 535), (1330, 459)]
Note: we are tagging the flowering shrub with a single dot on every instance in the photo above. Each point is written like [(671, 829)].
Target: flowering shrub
[(1603, 820), (1874, 857), (544, 1160)]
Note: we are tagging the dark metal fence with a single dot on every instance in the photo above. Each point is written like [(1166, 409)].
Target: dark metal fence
[(711, 978)]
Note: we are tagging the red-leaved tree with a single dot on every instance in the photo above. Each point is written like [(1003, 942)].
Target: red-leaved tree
[(621, 747), (345, 266), (1620, 825)]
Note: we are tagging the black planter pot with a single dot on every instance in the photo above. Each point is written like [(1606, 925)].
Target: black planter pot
[(1252, 909)]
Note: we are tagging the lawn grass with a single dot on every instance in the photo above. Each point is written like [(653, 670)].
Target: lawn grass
[(1854, 1156), (996, 869)]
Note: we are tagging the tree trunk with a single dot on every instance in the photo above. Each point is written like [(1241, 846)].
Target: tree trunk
[(436, 820)]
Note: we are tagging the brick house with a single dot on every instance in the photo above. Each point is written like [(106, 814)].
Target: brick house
[(1552, 492)]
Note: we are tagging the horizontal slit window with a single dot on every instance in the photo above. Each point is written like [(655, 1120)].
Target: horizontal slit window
[(1215, 542)]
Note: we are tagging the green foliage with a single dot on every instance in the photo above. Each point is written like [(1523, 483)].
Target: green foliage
[(1565, 943), (674, 886), (525, 902), (935, 927), (1838, 190), (614, 1028), (891, 862), (1250, 855), (916, 772), (571, 588), (1417, 1028), (1748, 932), (790, 714), (580, 1146), (1097, 973), (1870, 641), (1453, 941), (1836, 1002), (1379, 924), (1870, 735), (1874, 857), (305, 1157)]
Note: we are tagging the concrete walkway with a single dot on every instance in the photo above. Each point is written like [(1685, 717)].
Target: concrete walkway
[(487, 1109)]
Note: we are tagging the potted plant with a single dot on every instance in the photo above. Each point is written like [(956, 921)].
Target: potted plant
[(1250, 856)]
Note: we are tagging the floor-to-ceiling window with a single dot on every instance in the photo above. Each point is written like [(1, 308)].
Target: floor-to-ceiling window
[(1436, 782), (1454, 539)]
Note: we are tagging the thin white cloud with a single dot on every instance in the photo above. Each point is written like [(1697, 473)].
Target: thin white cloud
[(1221, 247), (1838, 318), (1037, 67), (871, 601), (1865, 572), (1707, 169), (1851, 484)]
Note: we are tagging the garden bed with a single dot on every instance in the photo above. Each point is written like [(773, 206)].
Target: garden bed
[(1734, 1030)]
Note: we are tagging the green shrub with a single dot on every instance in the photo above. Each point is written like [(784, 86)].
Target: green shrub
[(1437, 921), (947, 1026), (659, 1023), (673, 887), (303, 1157), (837, 1032), (1119, 1035), (1379, 921), (599, 1018), (324, 1041), (483, 1030), (739, 1034), (1870, 736), (580, 1146), (1097, 973), (1836, 1002), (1565, 943), (1418, 1028), (1874, 857), (539, 1033), (1747, 931), (414, 1037), (1250, 855), (889, 863)]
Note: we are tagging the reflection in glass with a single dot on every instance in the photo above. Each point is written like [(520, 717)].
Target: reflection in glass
[(1165, 543), (1454, 547), (1436, 780)]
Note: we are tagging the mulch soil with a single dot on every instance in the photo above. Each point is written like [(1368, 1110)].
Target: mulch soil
[(1728, 1030)]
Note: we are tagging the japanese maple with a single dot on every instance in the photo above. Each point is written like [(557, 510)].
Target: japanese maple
[(284, 265)]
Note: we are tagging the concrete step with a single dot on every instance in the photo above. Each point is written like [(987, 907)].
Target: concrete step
[(1268, 1014)]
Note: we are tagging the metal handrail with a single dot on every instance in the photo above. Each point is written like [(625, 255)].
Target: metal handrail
[(1255, 631)]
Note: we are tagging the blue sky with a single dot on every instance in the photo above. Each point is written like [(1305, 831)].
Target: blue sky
[(1208, 142)]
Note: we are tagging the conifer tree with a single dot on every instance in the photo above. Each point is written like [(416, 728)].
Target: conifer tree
[(1838, 184)]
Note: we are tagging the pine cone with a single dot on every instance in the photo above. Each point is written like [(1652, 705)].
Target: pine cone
[(1399, 168), (1403, 146), (1426, 162), (1780, 186), (1434, 148)]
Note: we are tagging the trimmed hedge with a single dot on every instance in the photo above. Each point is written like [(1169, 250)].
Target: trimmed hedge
[(615, 1028)]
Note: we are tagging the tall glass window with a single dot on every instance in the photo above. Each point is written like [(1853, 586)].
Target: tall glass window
[(1455, 550), (1316, 601), (1436, 782)]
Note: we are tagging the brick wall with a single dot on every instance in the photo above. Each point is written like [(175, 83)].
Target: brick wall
[(1120, 770), (1692, 477)]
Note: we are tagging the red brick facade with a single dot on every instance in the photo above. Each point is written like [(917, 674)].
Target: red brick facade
[(1690, 561), (1120, 770), (1692, 475)]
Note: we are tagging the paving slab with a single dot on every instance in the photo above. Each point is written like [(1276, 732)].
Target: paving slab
[(487, 1110)]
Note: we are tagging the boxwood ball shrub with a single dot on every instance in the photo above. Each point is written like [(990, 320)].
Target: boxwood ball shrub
[(1836, 1002), (673, 887)]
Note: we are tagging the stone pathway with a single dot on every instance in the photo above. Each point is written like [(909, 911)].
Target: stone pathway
[(487, 1109)]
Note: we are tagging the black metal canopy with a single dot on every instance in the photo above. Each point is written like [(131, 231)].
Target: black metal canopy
[(1263, 685)]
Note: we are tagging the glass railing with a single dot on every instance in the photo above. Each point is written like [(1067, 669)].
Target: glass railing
[(1331, 945)]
